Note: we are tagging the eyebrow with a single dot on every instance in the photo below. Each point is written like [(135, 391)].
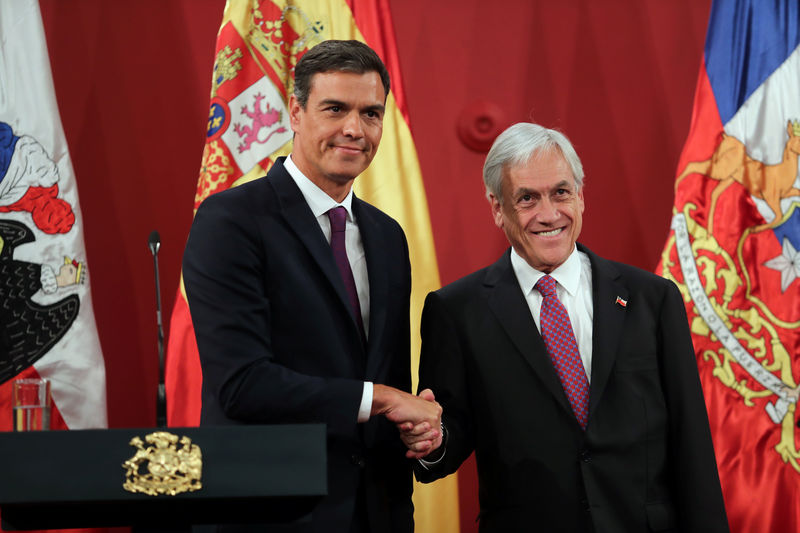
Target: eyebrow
[(521, 191), (331, 101), (376, 107), (563, 184)]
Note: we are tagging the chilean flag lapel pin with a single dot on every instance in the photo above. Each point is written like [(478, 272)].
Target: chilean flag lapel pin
[(622, 303)]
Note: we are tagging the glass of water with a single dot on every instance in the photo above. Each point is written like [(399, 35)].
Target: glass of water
[(31, 402)]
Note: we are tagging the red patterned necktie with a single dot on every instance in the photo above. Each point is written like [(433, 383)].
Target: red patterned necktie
[(563, 349), (338, 218)]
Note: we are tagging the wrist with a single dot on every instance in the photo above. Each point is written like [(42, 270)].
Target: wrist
[(381, 395), (436, 456)]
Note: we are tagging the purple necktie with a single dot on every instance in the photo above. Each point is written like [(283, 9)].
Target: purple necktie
[(338, 218), (563, 349)]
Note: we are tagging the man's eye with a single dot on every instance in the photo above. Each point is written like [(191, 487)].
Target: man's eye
[(525, 198), (335, 108)]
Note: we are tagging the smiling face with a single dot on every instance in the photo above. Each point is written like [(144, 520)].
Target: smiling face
[(541, 210), (338, 131)]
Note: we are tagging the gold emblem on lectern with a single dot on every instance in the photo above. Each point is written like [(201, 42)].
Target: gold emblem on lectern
[(163, 467)]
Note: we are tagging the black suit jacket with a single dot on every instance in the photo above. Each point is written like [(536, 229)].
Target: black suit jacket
[(645, 462), (278, 341)]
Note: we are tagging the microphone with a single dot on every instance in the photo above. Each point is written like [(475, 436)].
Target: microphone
[(154, 243)]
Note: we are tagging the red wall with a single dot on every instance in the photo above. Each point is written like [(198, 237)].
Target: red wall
[(132, 81)]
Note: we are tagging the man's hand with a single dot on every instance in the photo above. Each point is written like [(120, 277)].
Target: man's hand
[(403, 408), (419, 418), (422, 439)]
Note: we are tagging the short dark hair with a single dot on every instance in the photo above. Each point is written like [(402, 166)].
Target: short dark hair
[(336, 56)]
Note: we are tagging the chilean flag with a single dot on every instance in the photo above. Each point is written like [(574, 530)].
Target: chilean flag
[(733, 249), (47, 325)]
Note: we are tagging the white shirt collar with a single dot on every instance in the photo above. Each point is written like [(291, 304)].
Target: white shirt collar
[(317, 199), (568, 274)]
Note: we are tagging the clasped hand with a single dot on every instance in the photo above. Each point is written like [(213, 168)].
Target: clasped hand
[(418, 418)]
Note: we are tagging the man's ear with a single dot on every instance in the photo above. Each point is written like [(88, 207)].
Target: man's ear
[(497, 210), (295, 111)]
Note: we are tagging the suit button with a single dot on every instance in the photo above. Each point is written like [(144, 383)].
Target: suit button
[(585, 504), (586, 457), (357, 460)]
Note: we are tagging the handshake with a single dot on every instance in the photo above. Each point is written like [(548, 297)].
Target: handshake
[(418, 418)]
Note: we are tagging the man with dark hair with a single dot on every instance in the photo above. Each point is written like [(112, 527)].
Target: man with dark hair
[(571, 377), (299, 294), (348, 56)]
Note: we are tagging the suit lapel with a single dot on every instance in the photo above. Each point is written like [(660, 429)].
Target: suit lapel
[(609, 319), (301, 220), (511, 309), (377, 274)]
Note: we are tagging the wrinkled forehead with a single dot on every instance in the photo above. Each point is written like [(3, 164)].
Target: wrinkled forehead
[(540, 156)]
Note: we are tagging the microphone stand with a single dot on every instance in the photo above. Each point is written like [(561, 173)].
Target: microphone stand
[(154, 243)]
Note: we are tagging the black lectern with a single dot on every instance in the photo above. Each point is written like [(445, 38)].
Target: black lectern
[(76, 479)]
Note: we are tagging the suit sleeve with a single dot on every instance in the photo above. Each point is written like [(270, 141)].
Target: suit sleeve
[(228, 291), (696, 480), (443, 370)]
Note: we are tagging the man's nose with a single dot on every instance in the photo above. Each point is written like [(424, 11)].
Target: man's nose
[(548, 211), (352, 126)]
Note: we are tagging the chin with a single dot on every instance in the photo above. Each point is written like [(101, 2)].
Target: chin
[(348, 172), (343, 175)]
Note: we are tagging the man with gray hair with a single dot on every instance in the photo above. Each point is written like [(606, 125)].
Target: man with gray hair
[(571, 377)]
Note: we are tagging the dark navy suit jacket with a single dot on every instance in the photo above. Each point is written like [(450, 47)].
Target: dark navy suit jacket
[(278, 341), (646, 461)]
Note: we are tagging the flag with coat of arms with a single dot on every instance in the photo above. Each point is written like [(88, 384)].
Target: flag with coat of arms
[(734, 251), (258, 44), (47, 325)]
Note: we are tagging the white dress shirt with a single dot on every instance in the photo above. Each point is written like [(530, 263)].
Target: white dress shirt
[(574, 289), (320, 203)]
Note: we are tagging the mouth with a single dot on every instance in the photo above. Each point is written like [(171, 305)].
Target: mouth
[(349, 149), (549, 233)]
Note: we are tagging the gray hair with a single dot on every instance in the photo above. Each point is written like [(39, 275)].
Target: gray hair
[(517, 145)]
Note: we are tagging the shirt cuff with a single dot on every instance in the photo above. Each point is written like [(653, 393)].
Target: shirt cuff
[(366, 403), (427, 464)]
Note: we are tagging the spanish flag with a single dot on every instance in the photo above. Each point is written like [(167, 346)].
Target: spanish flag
[(258, 45), (733, 251)]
